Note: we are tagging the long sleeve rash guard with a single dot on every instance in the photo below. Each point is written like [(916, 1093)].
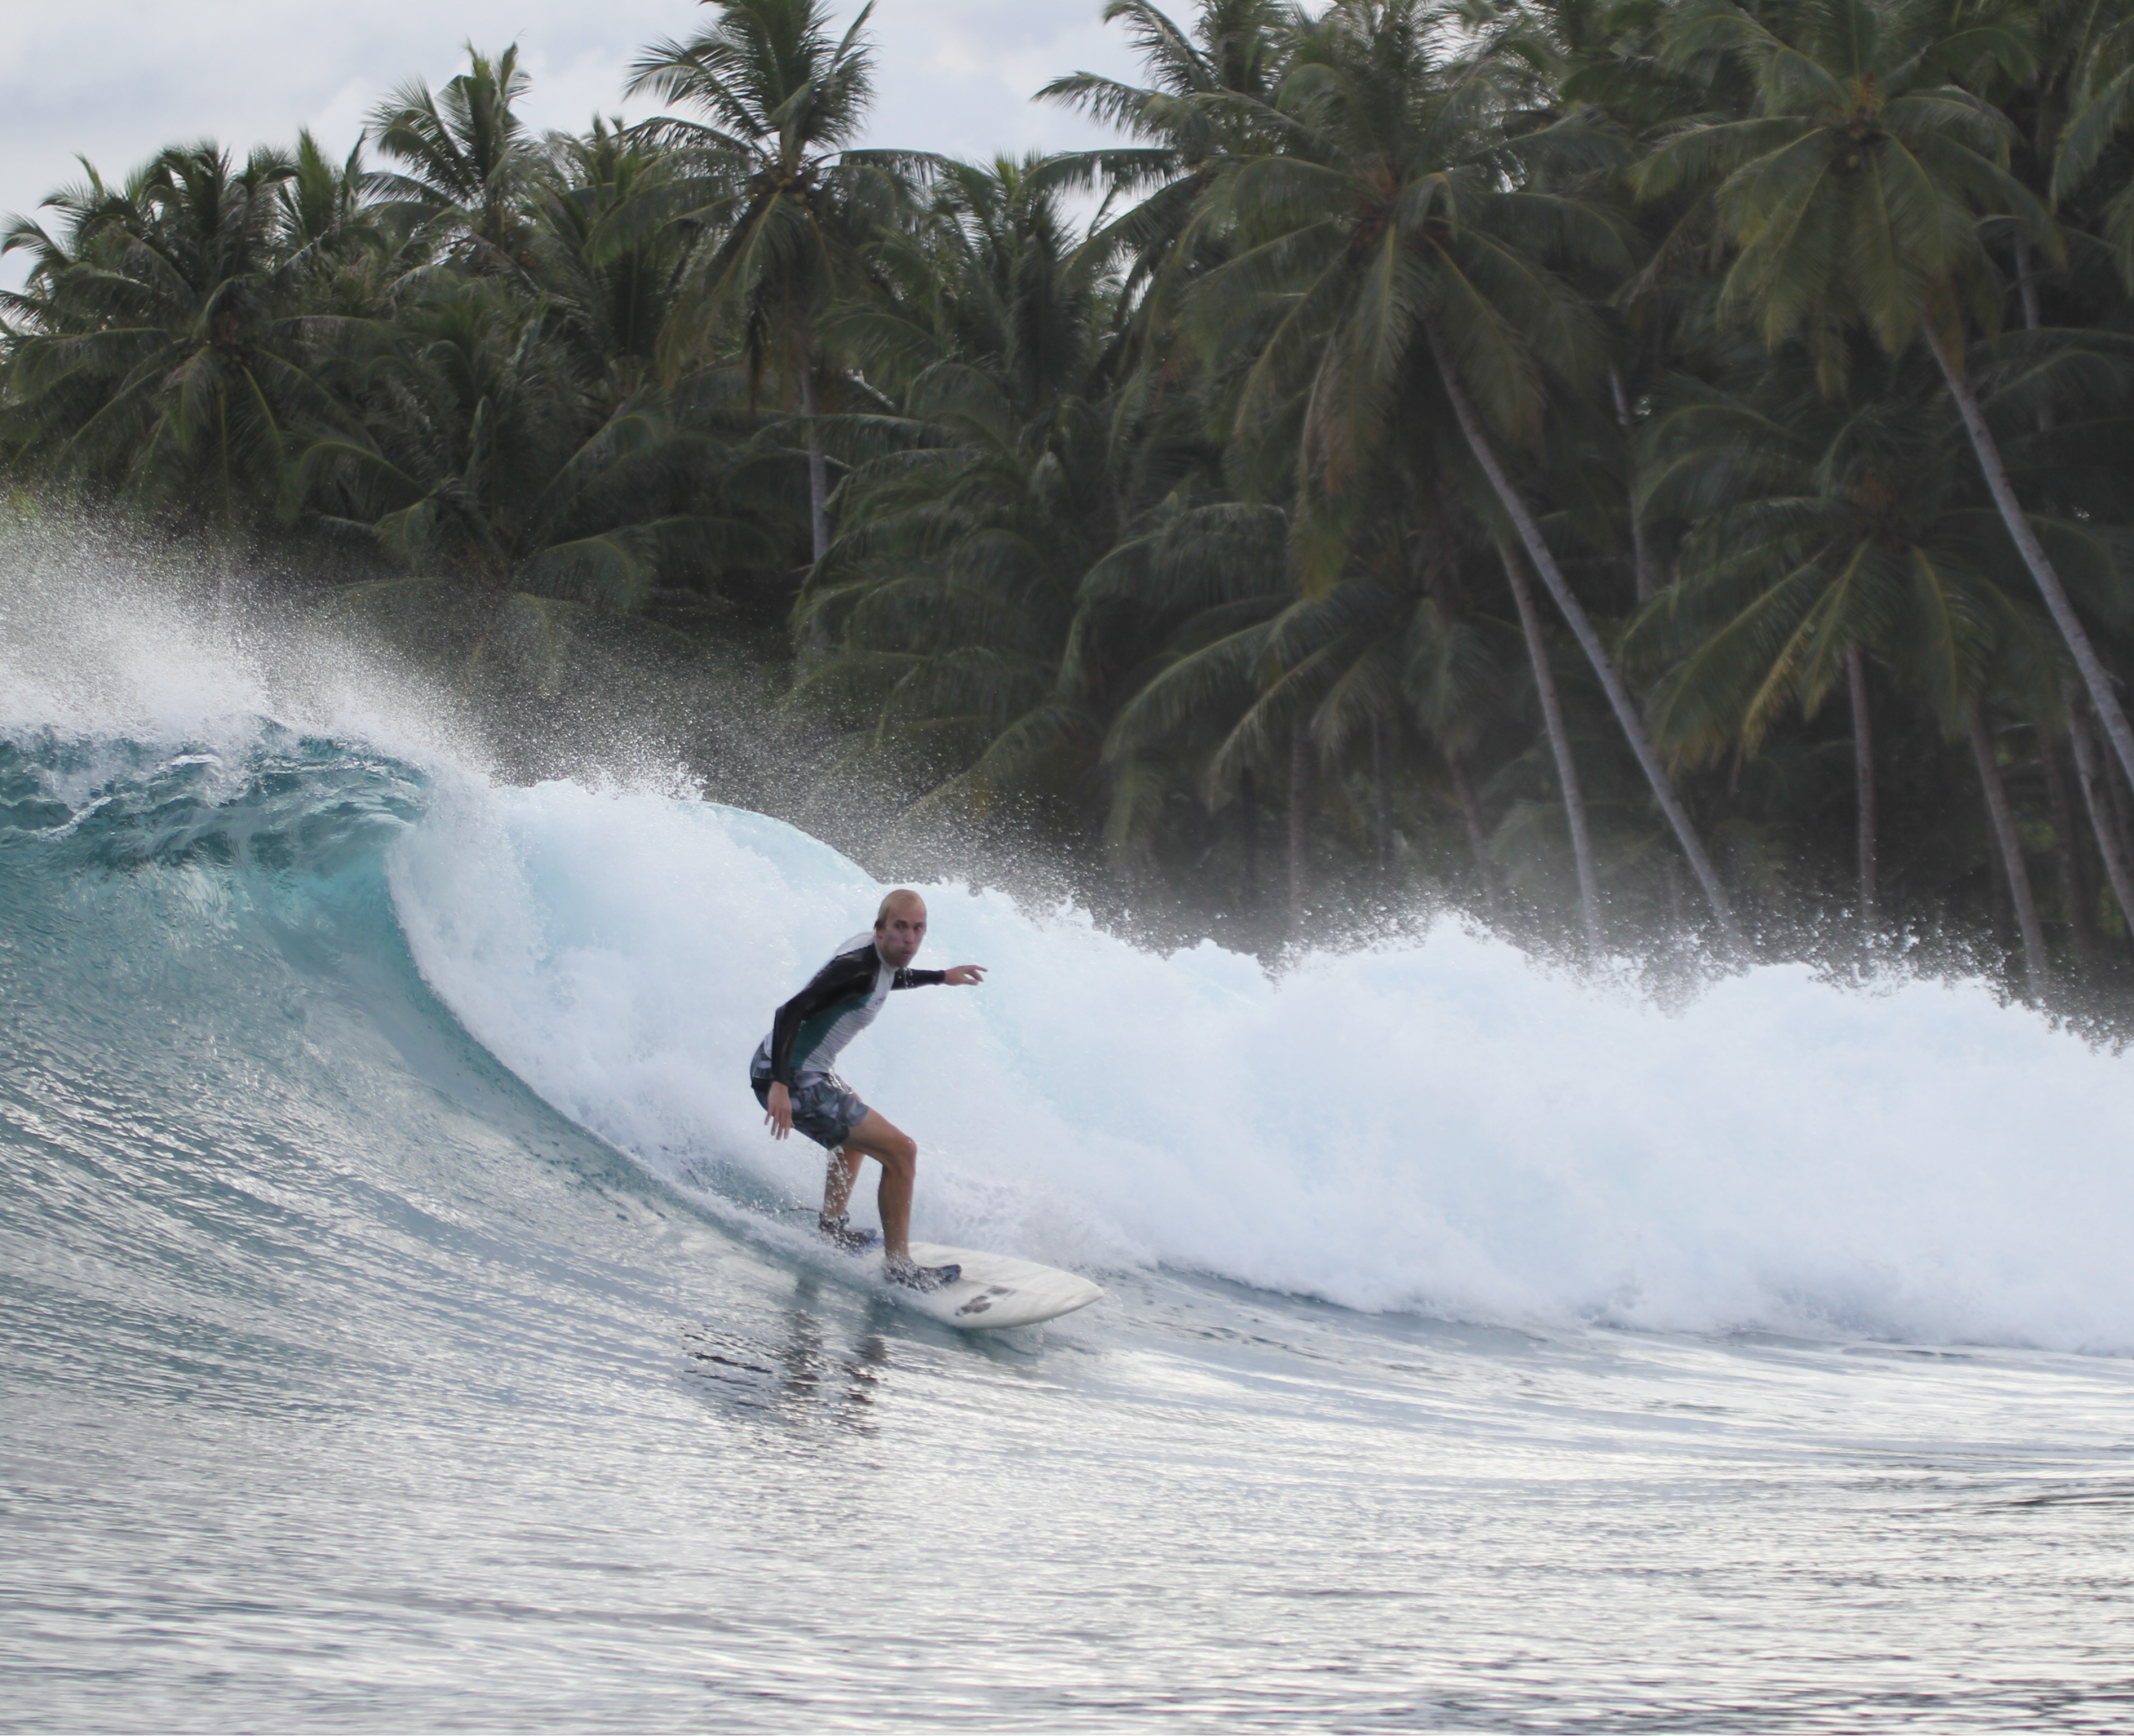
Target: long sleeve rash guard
[(839, 1002)]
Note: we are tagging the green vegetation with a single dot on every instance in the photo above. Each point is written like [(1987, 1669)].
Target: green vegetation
[(1653, 468)]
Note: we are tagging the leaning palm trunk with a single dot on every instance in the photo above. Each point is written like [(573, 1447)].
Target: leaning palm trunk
[(2094, 676), (1581, 627), (1300, 821), (2036, 969), (1641, 555), (1478, 835), (1382, 803), (818, 469), (1559, 745), (1863, 782), (2096, 800), (2075, 884)]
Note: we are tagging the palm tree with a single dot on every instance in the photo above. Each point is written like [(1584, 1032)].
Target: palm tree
[(2098, 56), (1243, 672), (946, 601), (1823, 529), (323, 202), (607, 250), (1852, 196), (480, 467), (946, 604), (1401, 248), (465, 159), (1208, 99), (787, 202), (159, 349), (1240, 669)]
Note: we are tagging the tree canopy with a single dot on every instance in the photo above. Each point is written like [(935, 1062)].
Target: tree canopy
[(1648, 475)]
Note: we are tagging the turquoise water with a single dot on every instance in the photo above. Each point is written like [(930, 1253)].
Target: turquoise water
[(404, 1324)]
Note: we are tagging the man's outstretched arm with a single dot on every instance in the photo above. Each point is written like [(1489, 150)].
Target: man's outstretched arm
[(957, 976)]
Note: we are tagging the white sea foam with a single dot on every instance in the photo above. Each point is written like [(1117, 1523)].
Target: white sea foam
[(105, 638), (1441, 1124)]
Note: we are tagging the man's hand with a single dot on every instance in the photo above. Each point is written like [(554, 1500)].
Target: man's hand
[(779, 1113), (962, 976)]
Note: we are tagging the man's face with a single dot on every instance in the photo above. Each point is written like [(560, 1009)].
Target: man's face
[(897, 939)]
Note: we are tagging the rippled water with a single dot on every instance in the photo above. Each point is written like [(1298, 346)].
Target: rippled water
[(348, 1381)]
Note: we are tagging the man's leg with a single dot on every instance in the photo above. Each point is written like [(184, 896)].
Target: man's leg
[(844, 1170), (898, 1154)]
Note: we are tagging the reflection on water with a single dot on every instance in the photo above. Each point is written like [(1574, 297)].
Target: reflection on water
[(791, 1371)]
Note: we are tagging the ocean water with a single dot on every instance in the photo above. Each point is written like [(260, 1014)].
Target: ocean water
[(406, 1323)]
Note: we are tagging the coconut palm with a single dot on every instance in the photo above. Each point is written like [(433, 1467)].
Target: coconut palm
[(323, 202), (1807, 542), (786, 202), (948, 602), (2098, 54), (1406, 244), (607, 250), (1244, 672), (159, 345), (1852, 197), (1825, 530), (1207, 99), (466, 158), (479, 465), (1236, 669)]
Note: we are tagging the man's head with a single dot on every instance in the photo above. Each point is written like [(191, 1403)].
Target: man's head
[(899, 927)]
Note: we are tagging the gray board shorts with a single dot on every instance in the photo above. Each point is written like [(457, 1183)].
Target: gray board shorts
[(824, 1107)]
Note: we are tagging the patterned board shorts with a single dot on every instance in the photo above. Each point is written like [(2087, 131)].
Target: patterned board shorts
[(824, 1107)]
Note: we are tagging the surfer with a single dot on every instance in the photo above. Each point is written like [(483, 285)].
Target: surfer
[(792, 1079)]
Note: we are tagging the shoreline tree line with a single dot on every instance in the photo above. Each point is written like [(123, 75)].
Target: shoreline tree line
[(1657, 467)]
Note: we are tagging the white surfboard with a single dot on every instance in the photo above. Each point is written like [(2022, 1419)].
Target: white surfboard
[(995, 1289)]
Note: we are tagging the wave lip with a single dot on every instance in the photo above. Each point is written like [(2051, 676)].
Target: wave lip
[(282, 802)]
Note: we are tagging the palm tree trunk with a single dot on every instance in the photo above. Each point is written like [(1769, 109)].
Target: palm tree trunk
[(1863, 783), (1300, 819), (1249, 806), (1382, 802), (2027, 288), (1619, 695), (2094, 676), (2097, 800), (2036, 966), (2115, 804), (1478, 835), (1641, 557), (818, 469), (1559, 745), (2075, 890)]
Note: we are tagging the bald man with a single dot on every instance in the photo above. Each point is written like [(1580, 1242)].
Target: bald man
[(792, 1079)]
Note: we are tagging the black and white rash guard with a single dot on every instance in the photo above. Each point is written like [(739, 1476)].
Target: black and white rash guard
[(840, 1002)]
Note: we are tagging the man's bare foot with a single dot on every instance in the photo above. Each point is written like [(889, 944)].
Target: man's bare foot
[(912, 1275), (837, 1231)]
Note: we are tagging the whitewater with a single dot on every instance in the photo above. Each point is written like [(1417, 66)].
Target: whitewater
[(407, 1322)]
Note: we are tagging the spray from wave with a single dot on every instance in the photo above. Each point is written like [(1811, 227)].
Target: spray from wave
[(1433, 1123)]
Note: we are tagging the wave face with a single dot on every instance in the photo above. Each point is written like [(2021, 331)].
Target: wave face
[(1436, 1125)]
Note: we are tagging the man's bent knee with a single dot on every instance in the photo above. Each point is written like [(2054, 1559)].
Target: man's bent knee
[(892, 1149)]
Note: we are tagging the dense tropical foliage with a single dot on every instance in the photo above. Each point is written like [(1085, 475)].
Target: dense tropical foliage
[(1636, 469)]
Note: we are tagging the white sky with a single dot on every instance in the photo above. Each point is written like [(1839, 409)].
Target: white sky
[(115, 80)]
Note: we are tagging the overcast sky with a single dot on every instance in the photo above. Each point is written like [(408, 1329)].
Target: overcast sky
[(114, 80)]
